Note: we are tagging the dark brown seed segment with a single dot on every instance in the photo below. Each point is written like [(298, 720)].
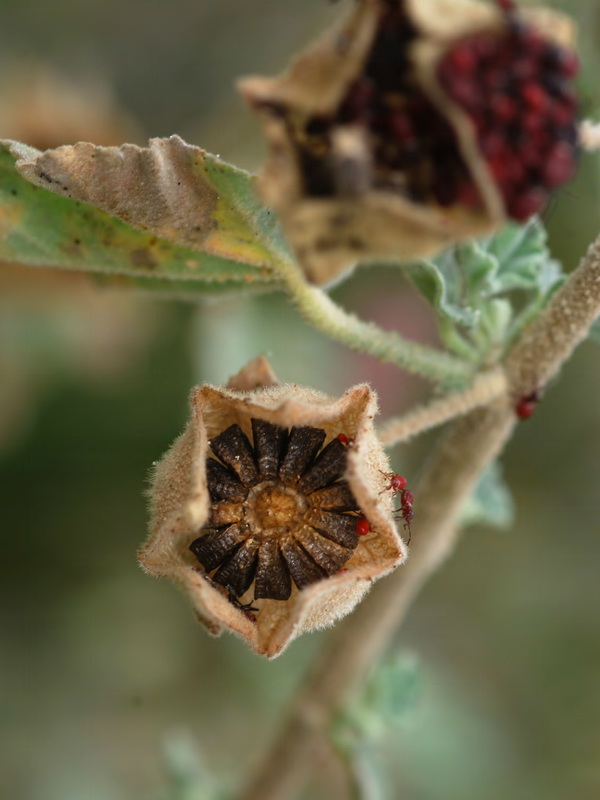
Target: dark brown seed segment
[(273, 578), (234, 449), (237, 573), (327, 467), (222, 484), (334, 498), (327, 554), (303, 569), (215, 546), (303, 445), (225, 513), (269, 443), (339, 528)]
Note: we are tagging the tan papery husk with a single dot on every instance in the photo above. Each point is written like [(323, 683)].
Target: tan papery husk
[(179, 506), (331, 235)]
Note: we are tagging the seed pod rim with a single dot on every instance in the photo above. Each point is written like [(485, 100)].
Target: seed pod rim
[(173, 523)]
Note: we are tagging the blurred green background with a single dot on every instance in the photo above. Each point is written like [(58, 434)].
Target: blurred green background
[(106, 680)]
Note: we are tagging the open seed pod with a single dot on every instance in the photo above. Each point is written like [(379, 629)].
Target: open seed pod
[(272, 510), (415, 124)]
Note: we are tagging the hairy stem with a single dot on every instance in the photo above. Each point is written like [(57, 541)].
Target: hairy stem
[(468, 447), (365, 337), (486, 388)]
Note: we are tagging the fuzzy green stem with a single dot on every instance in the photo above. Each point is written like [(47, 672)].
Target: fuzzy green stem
[(486, 388), (318, 309)]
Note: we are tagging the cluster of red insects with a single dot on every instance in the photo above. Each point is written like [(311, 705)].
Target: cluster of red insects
[(515, 90), (514, 86), (397, 485)]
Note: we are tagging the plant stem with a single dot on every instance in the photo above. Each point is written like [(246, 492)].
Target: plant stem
[(487, 387), (468, 447), (365, 337), (360, 639)]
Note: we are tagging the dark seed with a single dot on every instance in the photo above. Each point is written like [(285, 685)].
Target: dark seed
[(273, 579), (328, 466), (339, 528), (237, 573), (303, 445), (334, 498), (234, 449), (216, 545), (269, 442), (222, 485), (327, 554), (302, 568)]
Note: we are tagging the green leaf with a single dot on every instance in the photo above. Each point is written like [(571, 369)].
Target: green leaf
[(41, 228), (491, 502), (472, 288), (390, 694), (187, 776)]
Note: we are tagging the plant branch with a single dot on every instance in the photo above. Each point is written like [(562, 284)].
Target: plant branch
[(468, 447), (487, 387), (388, 346)]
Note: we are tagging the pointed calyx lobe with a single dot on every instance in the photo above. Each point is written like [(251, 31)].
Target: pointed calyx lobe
[(254, 510), (416, 124)]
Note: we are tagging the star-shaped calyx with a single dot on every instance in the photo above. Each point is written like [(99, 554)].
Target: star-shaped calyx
[(270, 510)]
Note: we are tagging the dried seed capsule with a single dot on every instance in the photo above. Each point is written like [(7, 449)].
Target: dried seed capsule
[(256, 538), (378, 133)]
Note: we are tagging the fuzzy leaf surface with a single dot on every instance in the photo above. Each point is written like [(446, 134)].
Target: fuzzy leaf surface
[(136, 224), (491, 502), (472, 288)]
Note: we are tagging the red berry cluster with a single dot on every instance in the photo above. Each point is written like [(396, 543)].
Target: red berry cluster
[(515, 88)]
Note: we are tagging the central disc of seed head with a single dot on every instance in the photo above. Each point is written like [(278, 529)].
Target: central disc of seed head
[(272, 508), (281, 512)]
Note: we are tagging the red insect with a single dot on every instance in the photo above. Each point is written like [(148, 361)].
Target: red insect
[(363, 526), (527, 405), (396, 482), (345, 440), (406, 510)]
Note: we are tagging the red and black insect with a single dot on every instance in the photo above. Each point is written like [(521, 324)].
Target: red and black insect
[(406, 510), (397, 485), (397, 482)]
